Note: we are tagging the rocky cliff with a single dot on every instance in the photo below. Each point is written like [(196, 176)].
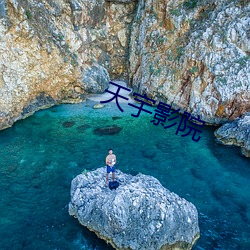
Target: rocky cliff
[(59, 51), (140, 214), (193, 54)]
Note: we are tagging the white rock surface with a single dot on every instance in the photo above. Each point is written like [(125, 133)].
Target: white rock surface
[(139, 214)]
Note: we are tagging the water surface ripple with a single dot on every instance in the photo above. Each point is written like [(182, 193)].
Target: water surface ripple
[(39, 156)]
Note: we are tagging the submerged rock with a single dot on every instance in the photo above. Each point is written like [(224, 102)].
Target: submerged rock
[(148, 153), (114, 118), (98, 106), (82, 128), (108, 130), (236, 133), (140, 214), (68, 124)]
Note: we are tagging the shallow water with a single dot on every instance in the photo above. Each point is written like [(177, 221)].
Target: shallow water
[(39, 156)]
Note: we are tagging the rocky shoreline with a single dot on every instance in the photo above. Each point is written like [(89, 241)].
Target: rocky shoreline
[(193, 55), (236, 133)]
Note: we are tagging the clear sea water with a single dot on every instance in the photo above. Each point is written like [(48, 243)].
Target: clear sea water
[(39, 156)]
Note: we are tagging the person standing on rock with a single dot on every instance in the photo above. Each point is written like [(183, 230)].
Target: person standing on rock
[(110, 161)]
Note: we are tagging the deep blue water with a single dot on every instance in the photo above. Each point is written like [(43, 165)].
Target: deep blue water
[(39, 156)]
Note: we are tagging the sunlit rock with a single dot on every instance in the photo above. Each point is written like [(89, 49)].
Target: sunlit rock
[(139, 214), (236, 133)]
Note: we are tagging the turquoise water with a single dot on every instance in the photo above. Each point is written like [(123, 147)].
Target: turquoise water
[(39, 156)]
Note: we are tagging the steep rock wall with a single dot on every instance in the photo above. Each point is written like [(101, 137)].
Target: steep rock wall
[(59, 51), (194, 55)]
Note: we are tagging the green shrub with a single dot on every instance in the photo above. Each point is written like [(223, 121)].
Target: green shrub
[(194, 69), (74, 60), (222, 80), (60, 37), (161, 40), (151, 69), (243, 60), (179, 53), (158, 71), (28, 14), (175, 12), (190, 4)]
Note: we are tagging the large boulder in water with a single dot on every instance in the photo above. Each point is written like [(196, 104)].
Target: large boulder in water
[(236, 133), (139, 214)]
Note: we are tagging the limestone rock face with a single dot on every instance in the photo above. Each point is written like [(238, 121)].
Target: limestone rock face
[(193, 55), (236, 133), (59, 51), (139, 214), (121, 1)]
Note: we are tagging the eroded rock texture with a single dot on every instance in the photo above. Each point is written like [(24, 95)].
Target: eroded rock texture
[(193, 55), (139, 214), (59, 51), (236, 133)]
